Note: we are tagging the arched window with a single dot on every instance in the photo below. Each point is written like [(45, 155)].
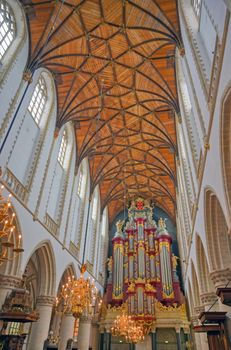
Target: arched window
[(58, 179), (79, 200), (38, 100), (62, 149), (103, 247), (31, 136), (94, 207), (188, 115), (93, 228), (80, 183), (60, 174), (7, 27)]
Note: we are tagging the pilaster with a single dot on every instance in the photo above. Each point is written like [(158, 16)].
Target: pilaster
[(66, 330)]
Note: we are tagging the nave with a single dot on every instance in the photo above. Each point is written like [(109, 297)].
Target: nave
[(115, 199)]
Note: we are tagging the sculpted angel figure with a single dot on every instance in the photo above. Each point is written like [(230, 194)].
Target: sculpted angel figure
[(174, 261), (161, 223), (109, 264), (119, 225)]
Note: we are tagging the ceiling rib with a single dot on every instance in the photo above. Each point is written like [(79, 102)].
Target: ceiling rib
[(113, 64)]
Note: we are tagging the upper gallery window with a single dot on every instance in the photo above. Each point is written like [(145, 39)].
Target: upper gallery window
[(38, 100), (7, 27), (62, 150), (94, 208), (196, 4)]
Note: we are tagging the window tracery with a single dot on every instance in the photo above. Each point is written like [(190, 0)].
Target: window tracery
[(62, 149), (80, 183), (196, 4), (7, 27), (38, 101)]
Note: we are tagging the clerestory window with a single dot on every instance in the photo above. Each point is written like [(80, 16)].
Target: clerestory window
[(80, 183), (7, 27), (196, 4), (62, 149), (38, 101)]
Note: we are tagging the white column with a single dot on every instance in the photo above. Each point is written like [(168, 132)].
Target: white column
[(94, 336), (40, 329), (56, 323), (66, 330), (84, 333)]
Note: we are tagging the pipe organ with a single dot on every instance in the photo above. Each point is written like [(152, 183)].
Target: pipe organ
[(143, 266)]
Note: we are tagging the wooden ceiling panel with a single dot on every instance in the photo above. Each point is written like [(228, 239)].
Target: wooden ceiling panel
[(114, 68)]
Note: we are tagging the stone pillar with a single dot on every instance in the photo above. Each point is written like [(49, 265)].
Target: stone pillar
[(40, 329), (94, 336), (221, 278), (153, 339), (56, 323), (66, 330), (84, 333)]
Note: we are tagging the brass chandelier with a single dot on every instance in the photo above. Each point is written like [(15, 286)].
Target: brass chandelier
[(77, 295), (126, 328), (8, 249)]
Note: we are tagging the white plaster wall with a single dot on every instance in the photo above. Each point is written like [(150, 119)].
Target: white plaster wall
[(212, 176)]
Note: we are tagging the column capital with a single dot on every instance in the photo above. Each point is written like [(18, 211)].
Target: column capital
[(68, 314), (220, 278), (208, 298), (46, 300), (85, 319), (10, 282)]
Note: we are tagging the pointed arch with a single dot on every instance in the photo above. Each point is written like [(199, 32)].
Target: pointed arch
[(13, 33), (69, 272), (40, 270), (205, 282), (218, 241)]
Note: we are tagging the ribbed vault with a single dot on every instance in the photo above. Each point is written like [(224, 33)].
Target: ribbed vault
[(113, 63)]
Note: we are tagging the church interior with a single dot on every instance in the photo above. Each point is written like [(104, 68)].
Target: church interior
[(115, 174)]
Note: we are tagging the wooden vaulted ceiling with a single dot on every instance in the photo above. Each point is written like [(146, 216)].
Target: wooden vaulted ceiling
[(114, 68)]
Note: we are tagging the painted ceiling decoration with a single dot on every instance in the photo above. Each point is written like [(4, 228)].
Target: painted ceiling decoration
[(114, 66)]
